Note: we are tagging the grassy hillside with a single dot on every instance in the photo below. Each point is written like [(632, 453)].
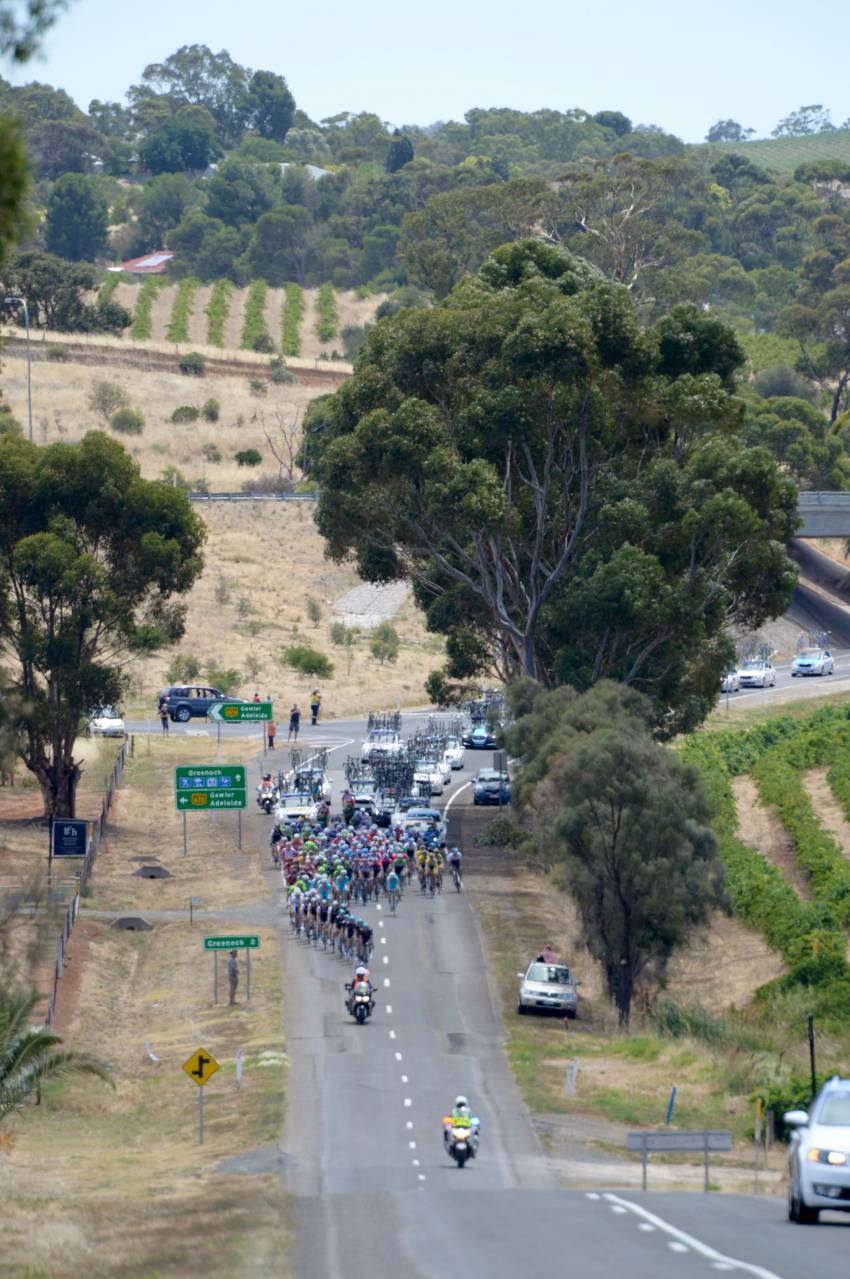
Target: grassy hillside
[(783, 155)]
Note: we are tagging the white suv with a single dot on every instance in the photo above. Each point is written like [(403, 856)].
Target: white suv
[(819, 1154)]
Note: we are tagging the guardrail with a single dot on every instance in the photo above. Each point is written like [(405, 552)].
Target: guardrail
[(70, 919), (311, 496)]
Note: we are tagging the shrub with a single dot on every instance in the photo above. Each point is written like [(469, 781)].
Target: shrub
[(211, 452), (257, 386), (264, 344), (279, 374), (174, 476), (307, 661), (500, 832), (142, 327), (340, 634), (354, 339), (127, 422), (253, 317), (222, 589), (183, 668), (314, 610), (781, 380), (293, 314), (385, 643), (57, 354), (211, 410), (181, 310), (106, 398), (217, 310), (226, 679), (248, 457), (185, 413), (268, 482), (328, 316), (192, 364)]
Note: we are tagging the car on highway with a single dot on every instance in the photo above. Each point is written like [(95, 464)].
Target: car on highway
[(454, 752), (756, 672), (491, 787), (190, 701), (365, 793), (479, 738), (730, 682), (547, 988), (819, 1154), (419, 821), (381, 743), (295, 805), (429, 772), (814, 661), (312, 779), (105, 722)]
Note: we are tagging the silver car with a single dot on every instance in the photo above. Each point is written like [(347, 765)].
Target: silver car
[(814, 661), (757, 673), (819, 1154), (549, 987)]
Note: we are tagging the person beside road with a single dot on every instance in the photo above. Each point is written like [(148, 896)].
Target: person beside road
[(163, 717), (294, 722), (271, 730), (547, 956), (232, 975), (315, 706)]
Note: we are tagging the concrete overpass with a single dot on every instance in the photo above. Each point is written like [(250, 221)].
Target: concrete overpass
[(824, 515)]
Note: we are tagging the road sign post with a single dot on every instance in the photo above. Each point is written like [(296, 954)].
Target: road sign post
[(200, 1068), (212, 786), (247, 941), (702, 1141)]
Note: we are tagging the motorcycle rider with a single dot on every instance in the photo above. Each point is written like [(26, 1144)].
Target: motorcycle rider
[(361, 978), (265, 783), (460, 1117)]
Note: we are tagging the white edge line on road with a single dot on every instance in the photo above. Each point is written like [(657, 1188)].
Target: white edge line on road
[(389, 1010), (704, 1249), (453, 797), (392, 1034), (409, 1123), (386, 981)]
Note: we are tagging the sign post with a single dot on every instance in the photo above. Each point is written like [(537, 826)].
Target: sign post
[(209, 786), (69, 837), (200, 1068), (246, 942)]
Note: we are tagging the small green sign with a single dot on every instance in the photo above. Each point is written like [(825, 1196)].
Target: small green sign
[(210, 786), (232, 943), (241, 712)]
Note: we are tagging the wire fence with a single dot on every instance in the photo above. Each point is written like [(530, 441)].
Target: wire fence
[(92, 847)]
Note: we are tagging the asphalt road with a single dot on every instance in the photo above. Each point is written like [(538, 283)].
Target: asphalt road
[(374, 1195)]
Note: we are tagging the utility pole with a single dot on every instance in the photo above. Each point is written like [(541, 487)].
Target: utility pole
[(23, 303)]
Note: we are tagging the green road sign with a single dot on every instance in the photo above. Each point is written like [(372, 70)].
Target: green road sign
[(210, 786), (232, 943), (241, 712)]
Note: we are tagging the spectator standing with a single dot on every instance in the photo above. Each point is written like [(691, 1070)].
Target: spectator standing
[(315, 705), (256, 697), (294, 723), (233, 975), (163, 717), (271, 729)]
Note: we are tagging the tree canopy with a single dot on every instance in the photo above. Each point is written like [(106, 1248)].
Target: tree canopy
[(567, 490), (93, 561)]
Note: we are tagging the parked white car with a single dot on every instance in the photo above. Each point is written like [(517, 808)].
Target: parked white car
[(757, 673), (455, 752), (814, 661), (731, 682)]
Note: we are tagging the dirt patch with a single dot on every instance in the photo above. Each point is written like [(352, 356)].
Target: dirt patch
[(198, 321), (161, 309), (759, 827), (274, 315), (233, 324), (311, 347), (829, 811), (722, 968)]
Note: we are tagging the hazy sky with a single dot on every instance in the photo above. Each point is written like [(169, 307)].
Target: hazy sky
[(664, 62)]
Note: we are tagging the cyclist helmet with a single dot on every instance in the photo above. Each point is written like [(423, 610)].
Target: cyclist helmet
[(461, 1102)]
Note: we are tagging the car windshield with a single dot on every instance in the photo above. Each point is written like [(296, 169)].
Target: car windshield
[(835, 1110), (752, 665), (295, 797), (811, 653), (107, 713), (422, 814), (425, 765), (558, 974), (381, 736)]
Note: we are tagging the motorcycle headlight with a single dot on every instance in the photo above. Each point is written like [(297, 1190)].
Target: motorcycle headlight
[(837, 1158)]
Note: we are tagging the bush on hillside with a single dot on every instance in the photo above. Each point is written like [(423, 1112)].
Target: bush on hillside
[(127, 422), (307, 661), (193, 364), (211, 410), (106, 398), (185, 413), (248, 457)]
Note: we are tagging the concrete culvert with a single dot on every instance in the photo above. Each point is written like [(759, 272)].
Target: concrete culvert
[(133, 924), (153, 872)]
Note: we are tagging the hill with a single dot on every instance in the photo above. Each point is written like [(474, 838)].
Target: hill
[(784, 155)]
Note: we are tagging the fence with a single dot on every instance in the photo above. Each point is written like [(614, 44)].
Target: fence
[(306, 496), (95, 837)]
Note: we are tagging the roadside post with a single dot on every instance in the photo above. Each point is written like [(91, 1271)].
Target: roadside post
[(200, 1068), (701, 1141), (500, 762), (810, 1029), (247, 943), (210, 786), (572, 1075), (757, 1139), (670, 1104)]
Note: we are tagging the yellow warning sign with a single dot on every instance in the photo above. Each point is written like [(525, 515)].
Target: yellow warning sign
[(201, 1067)]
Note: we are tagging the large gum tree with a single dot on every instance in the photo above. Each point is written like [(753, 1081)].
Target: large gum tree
[(93, 563), (567, 490)]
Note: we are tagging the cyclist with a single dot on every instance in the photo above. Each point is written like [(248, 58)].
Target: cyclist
[(455, 862), (393, 888)]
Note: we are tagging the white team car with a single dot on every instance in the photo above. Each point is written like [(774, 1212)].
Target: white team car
[(730, 682), (756, 673), (455, 752), (819, 1154), (292, 805), (105, 722), (381, 743), (429, 772), (814, 661)]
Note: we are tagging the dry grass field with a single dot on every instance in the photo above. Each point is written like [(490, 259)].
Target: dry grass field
[(112, 1183)]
